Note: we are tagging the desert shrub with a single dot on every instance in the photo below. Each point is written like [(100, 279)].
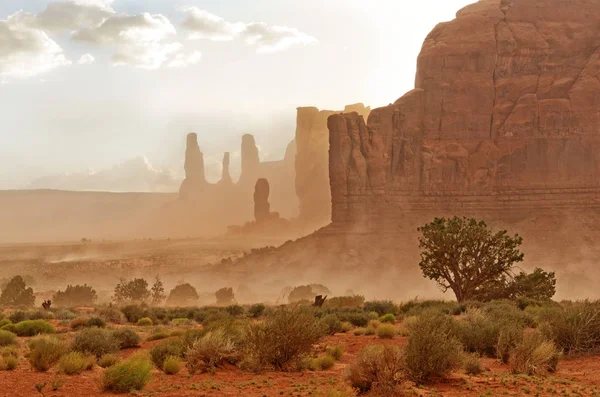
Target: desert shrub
[(370, 330), (64, 314), (157, 292), (144, 322), (135, 290), (112, 314), (181, 321), (78, 322), (96, 322), (325, 362), (16, 294), (416, 307), (338, 391), (5, 321), (388, 318), (108, 360), (381, 307), (331, 323), (359, 331), (234, 310), (574, 328), (133, 313), (225, 296), (10, 328), (75, 295), (96, 341), (432, 349), (125, 376), (167, 348), (376, 367), (358, 319), (508, 338), (8, 363), (535, 355), (307, 292), (158, 334), (346, 327), (335, 351), (386, 331), (33, 327), (354, 301), (17, 316), (192, 335), (9, 351), (75, 363), (6, 338), (183, 295), (472, 364), (211, 351), (284, 338), (45, 351), (126, 338), (172, 365), (256, 310)]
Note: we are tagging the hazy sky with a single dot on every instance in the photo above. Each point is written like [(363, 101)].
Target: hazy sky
[(92, 83)]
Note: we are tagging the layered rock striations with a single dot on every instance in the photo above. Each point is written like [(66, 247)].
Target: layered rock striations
[(312, 162), (505, 118)]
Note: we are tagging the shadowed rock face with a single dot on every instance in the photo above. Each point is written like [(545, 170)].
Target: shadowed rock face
[(226, 176), (504, 119), (250, 160), (195, 179), (262, 208), (312, 162)]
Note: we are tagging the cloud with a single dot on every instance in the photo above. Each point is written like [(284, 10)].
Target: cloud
[(27, 51), (268, 38), (184, 60), (67, 15), (86, 59), (142, 40)]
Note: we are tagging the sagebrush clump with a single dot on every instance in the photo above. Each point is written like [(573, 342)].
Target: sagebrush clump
[(126, 376), (45, 351), (378, 367)]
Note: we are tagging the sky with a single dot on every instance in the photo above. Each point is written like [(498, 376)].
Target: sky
[(89, 84)]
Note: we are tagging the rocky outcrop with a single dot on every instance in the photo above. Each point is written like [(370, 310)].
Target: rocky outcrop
[(195, 179), (250, 160), (312, 162), (504, 119), (262, 208), (225, 175)]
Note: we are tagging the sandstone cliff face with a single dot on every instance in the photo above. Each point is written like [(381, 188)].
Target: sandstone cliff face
[(312, 162), (505, 116), (195, 179)]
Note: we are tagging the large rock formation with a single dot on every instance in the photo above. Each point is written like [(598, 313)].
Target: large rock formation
[(312, 162), (225, 175), (195, 179), (504, 119), (250, 160)]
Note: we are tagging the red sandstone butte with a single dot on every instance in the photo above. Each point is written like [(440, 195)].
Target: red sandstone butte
[(504, 117)]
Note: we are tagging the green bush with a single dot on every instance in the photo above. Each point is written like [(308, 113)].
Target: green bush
[(192, 335), (370, 330), (234, 310), (5, 321), (211, 351), (96, 322), (78, 322), (386, 331), (112, 314), (75, 363), (282, 340), (10, 328), (359, 331), (172, 365), (346, 327), (33, 327), (354, 301), (357, 319), (45, 351), (325, 362), (6, 338), (335, 351), (388, 318), (108, 360), (416, 307), (181, 321), (432, 349), (133, 313), (376, 367), (126, 338), (535, 355), (8, 363), (256, 310), (128, 375), (331, 323), (167, 348), (381, 307), (157, 335), (95, 341), (472, 364), (574, 328), (145, 322)]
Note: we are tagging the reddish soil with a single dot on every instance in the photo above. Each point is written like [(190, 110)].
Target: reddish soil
[(575, 377)]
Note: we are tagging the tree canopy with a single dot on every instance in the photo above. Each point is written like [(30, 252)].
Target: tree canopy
[(16, 293)]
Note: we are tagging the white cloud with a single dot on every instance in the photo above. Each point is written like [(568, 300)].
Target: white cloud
[(184, 60), (268, 38), (86, 59), (143, 40), (27, 51), (66, 16)]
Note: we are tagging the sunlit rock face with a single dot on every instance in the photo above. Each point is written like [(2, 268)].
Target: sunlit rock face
[(312, 162), (504, 118)]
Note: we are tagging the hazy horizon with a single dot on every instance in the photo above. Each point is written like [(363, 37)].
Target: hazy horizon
[(92, 84)]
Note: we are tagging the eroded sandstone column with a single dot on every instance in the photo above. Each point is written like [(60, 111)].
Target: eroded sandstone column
[(195, 179), (262, 208), (250, 159)]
